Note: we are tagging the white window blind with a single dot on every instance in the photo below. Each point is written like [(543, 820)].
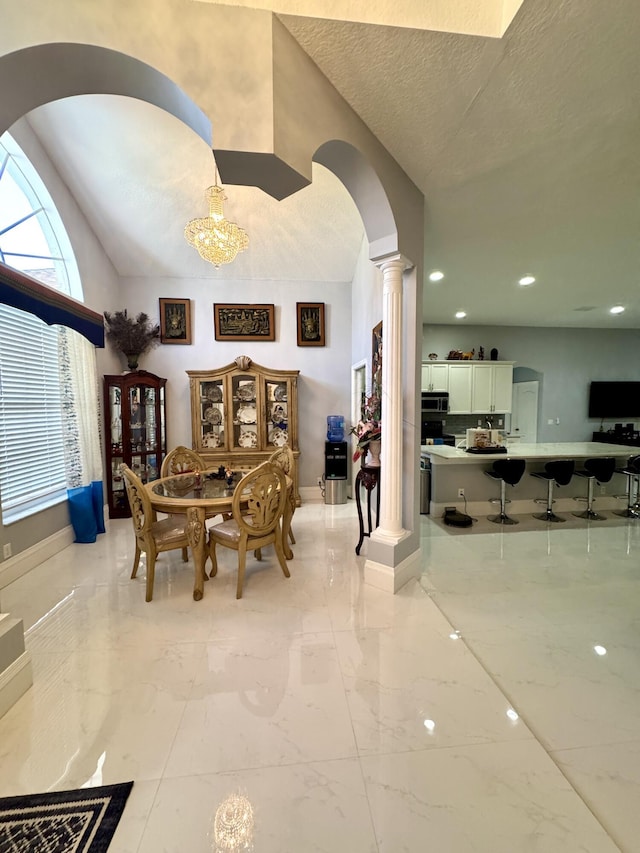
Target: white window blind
[(32, 468)]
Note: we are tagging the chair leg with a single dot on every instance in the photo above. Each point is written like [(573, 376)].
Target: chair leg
[(136, 561), (214, 561), (151, 572), (632, 508), (590, 514), (503, 518), (258, 553), (549, 515), (292, 538), (280, 553), (185, 555), (242, 562)]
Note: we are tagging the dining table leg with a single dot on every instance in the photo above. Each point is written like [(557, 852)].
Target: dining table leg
[(197, 536)]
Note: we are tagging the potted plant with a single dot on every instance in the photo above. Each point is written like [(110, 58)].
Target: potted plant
[(132, 337), (369, 429)]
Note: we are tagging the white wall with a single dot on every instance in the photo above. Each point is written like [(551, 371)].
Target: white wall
[(366, 307), (324, 383)]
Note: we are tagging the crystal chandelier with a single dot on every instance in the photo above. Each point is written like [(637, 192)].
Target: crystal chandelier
[(216, 239)]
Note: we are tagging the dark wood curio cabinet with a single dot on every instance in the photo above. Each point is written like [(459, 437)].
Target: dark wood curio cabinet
[(135, 432)]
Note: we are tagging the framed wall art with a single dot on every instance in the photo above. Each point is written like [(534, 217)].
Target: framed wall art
[(244, 322), (310, 317), (175, 321)]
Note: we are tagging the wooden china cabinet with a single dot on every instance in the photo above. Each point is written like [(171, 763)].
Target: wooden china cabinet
[(135, 432), (242, 412)]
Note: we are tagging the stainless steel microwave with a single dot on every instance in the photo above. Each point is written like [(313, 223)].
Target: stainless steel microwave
[(435, 401)]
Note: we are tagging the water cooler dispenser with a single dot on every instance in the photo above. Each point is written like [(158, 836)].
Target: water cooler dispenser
[(335, 462)]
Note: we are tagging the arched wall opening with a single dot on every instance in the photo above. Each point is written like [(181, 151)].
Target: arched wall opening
[(101, 70)]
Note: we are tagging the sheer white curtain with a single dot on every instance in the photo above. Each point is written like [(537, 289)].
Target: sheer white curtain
[(80, 392)]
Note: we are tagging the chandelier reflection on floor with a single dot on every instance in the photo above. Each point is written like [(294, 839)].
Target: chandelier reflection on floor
[(216, 239), (233, 825)]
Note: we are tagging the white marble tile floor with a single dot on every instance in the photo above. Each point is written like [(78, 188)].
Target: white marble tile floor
[(492, 705)]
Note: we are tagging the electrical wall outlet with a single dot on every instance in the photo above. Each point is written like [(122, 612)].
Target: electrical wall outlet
[(460, 493), (320, 481), (6, 551)]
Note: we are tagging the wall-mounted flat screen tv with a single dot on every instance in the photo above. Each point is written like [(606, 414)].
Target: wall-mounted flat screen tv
[(614, 400)]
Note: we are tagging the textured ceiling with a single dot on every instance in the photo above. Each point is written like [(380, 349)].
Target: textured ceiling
[(526, 148)]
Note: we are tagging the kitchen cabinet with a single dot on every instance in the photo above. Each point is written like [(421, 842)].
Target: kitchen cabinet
[(435, 377), (460, 376), (242, 412), (473, 387), (135, 432), (492, 388)]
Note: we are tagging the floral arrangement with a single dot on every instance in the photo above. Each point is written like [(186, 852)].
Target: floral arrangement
[(369, 427)]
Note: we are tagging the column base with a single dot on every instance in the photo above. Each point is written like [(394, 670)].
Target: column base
[(392, 578)]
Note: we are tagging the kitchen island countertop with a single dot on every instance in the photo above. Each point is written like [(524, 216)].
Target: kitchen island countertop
[(548, 450)]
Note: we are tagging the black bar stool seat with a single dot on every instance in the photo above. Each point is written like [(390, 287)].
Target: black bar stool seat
[(600, 470), (632, 472), (559, 472), (508, 471)]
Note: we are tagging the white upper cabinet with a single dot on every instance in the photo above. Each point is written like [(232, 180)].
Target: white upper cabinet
[(460, 376), (492, 388), (435, 377), (474, 387)]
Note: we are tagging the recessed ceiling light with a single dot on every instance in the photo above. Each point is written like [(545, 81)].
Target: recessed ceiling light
[(436, 275), (617, 309), (527, 279), (460, 315)]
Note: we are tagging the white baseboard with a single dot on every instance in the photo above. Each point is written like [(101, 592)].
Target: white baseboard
[(15, 680), (311, 495), (17, 566)]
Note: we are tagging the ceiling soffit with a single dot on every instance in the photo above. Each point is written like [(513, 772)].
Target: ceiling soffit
[(472, 17)]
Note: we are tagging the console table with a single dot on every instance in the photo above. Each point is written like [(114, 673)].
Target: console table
[(625, 439), (368, 477)]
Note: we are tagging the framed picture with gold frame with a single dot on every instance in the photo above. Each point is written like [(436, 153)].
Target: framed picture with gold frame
[(175, 321), (310, 317), (244, 322)]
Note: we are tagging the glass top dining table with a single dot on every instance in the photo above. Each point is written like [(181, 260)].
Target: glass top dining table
[(198, 497)]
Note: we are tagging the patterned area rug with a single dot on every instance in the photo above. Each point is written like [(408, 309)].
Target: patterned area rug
[(62, 822)]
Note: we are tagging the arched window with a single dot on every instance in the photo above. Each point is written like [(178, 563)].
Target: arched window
[(32, 240)]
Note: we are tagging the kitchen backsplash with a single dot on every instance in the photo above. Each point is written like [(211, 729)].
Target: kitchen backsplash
[(459, 424)]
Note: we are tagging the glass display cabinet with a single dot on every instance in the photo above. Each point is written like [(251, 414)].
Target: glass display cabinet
[(135, 432), (242, 412)]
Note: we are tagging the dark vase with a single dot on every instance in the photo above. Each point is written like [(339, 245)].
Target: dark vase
[(494, 354)]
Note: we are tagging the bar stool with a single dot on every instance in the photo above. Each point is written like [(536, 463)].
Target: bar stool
[(632, 472), (559, 472), (507, 471), (601, 470)]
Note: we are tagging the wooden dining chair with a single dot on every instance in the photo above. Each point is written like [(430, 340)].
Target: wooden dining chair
[(152, 537), (181, 460), (283, 457), (258, 503)]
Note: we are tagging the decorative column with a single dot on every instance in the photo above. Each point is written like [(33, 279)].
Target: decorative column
[(390, 530)]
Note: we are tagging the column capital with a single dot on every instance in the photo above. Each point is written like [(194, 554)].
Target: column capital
[(393, 262)]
